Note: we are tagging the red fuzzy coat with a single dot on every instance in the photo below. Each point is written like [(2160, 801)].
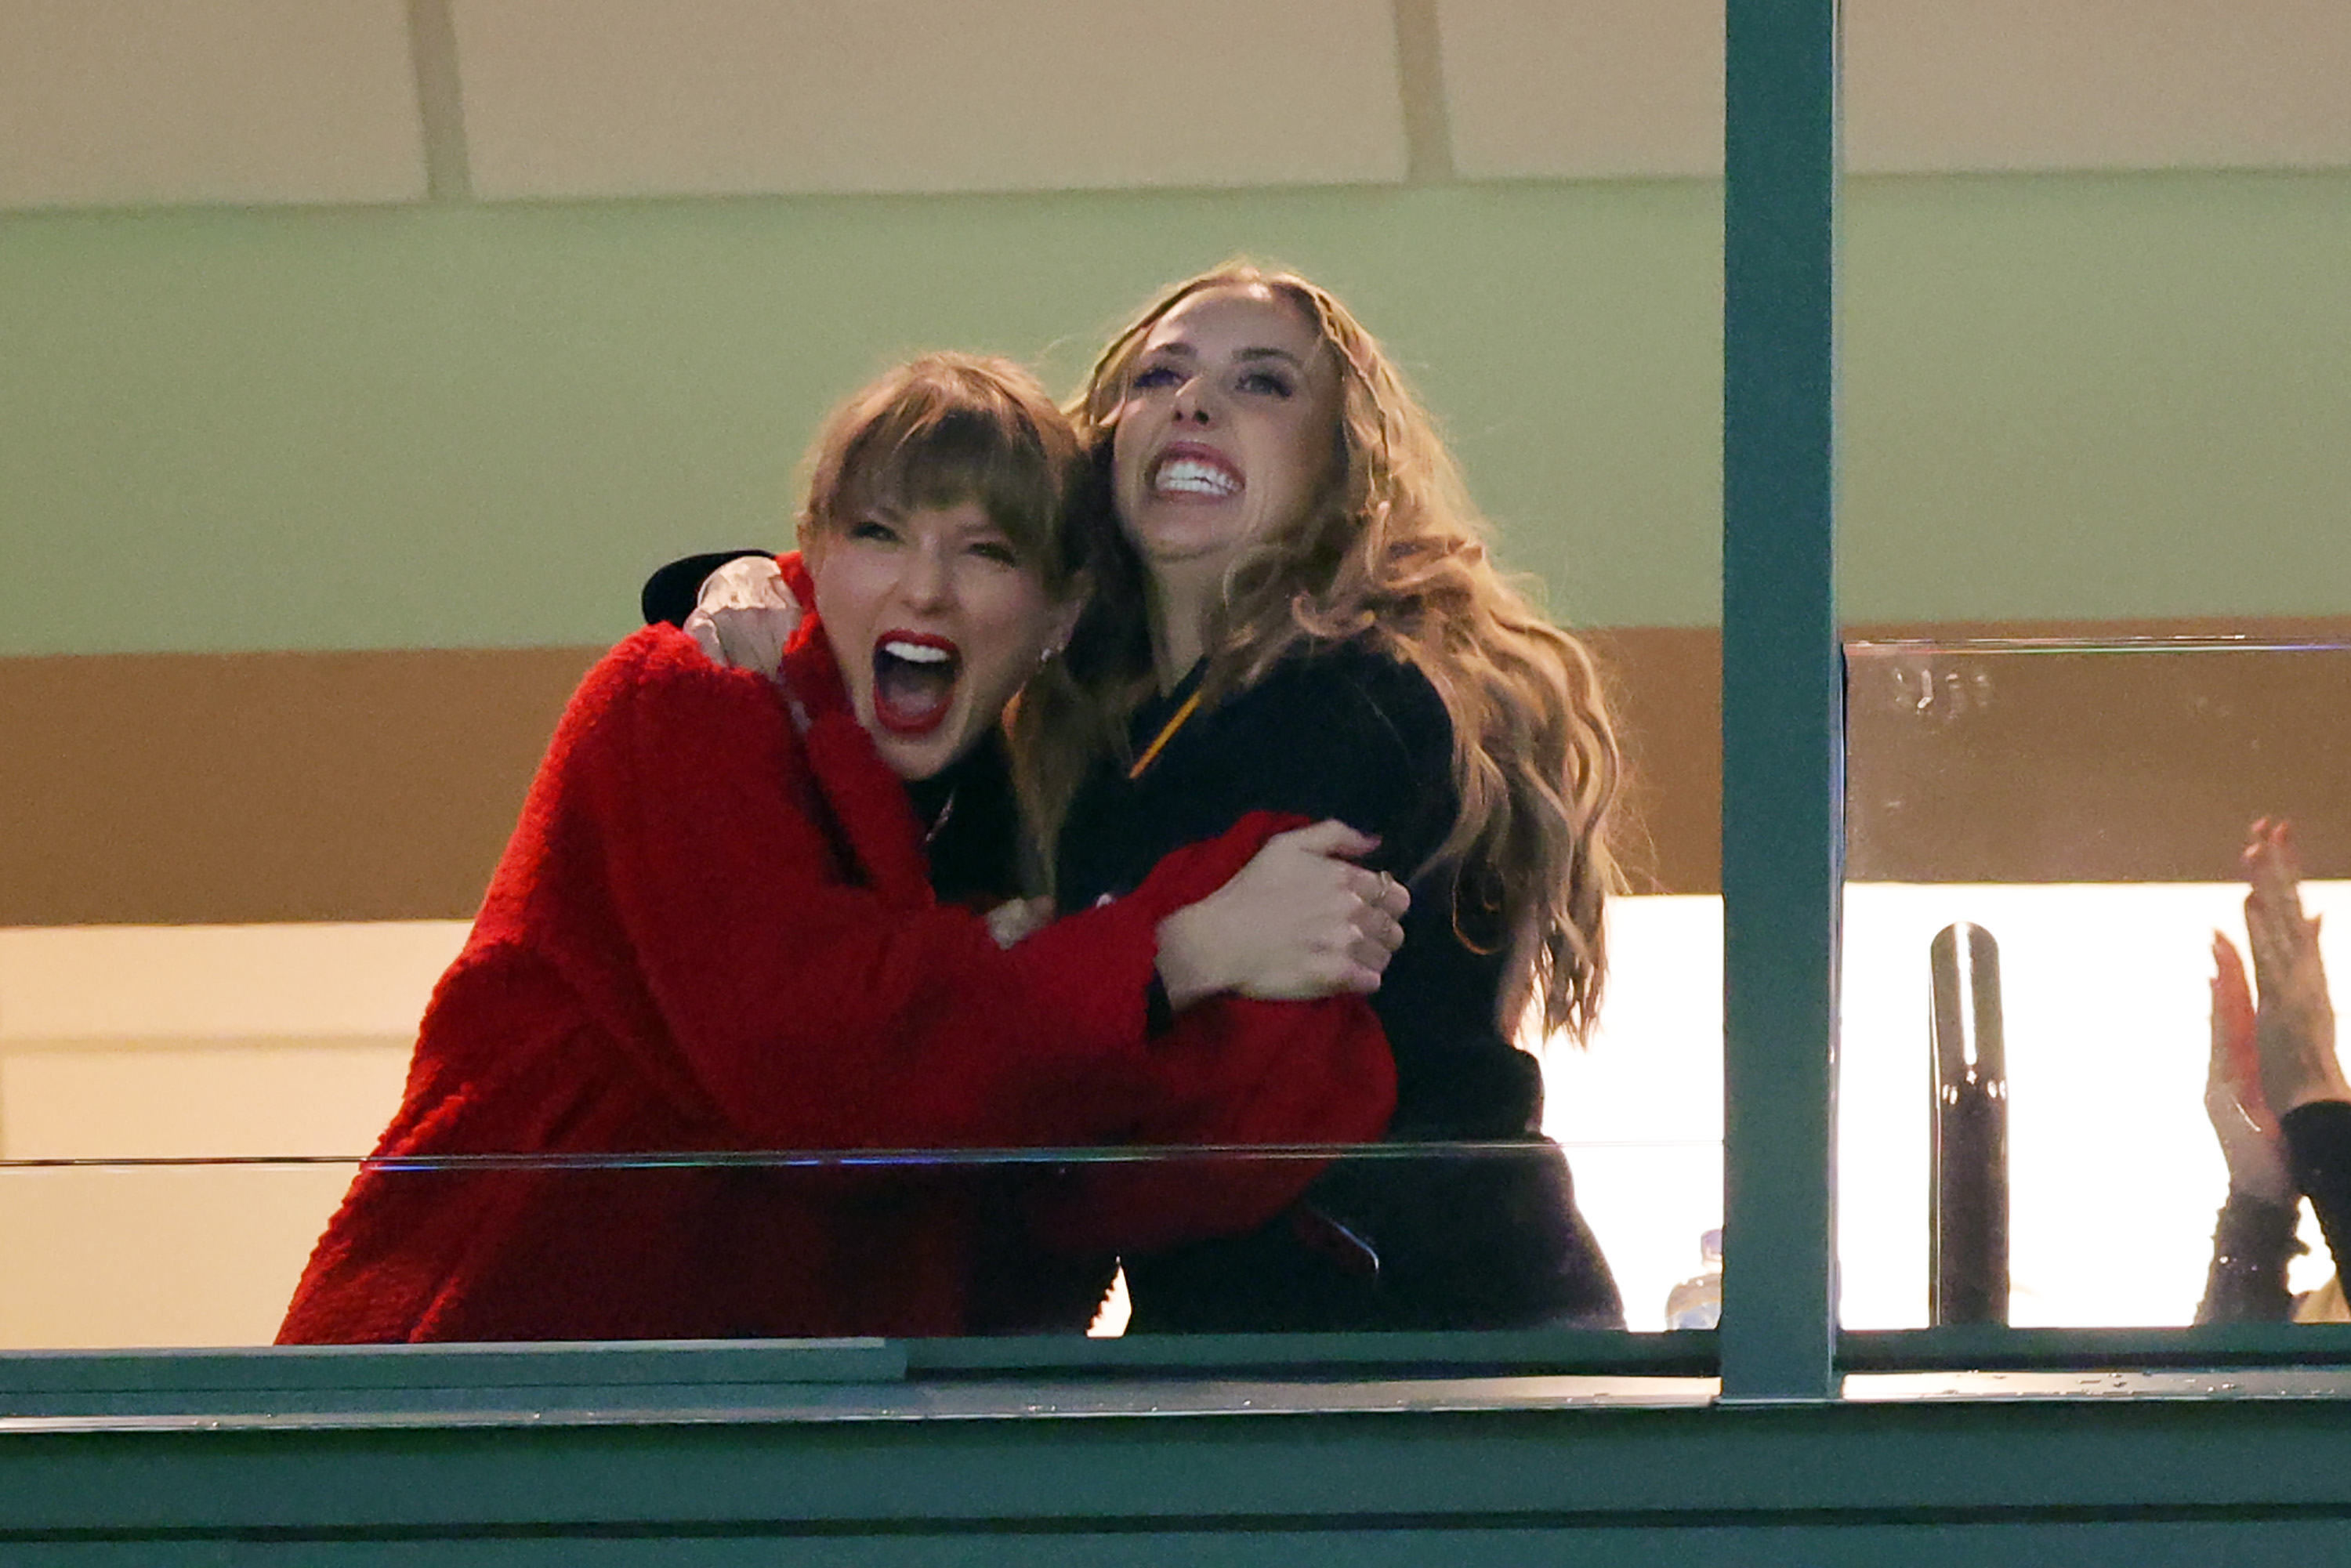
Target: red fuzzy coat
[(712, 931)]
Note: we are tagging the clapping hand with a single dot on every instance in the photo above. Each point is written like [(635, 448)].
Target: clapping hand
[(2249, 1141), (2294, 1026)]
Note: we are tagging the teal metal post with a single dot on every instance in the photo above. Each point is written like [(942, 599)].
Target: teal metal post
[(1782, 699)]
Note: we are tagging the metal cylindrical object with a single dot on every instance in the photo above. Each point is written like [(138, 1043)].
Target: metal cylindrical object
[(1968, 1232)]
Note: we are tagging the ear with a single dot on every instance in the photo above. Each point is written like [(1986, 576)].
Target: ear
[(1064, 622)]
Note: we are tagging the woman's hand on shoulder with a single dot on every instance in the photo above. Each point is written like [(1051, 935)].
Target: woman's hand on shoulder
[(1018, 919), (744, 615), (1301, 921)]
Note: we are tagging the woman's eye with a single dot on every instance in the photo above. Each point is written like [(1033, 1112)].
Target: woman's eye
[(1155, 376), (997, 550), (874, 530), (1265, 384)]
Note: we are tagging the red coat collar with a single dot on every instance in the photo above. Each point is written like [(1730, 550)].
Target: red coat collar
[(868, 800)]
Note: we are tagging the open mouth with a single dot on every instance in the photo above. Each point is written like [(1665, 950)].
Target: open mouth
[(1195, 471), (914, 678)]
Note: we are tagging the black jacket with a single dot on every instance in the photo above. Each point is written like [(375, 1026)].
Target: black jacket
[(1487, 1238)]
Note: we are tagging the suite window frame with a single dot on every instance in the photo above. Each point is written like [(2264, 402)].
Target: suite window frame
[(1782, 875)]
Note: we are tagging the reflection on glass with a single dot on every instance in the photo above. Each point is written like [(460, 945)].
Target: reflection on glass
[(180, 1109), (130, 1252), (2086, 805)]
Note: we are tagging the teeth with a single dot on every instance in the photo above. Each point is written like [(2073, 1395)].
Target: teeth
[(1191, 477), (915, 653)]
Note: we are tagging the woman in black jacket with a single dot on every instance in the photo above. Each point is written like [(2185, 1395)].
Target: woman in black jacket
[(1303, 618)]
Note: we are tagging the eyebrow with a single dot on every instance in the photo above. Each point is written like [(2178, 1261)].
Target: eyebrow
[(1178, 345)]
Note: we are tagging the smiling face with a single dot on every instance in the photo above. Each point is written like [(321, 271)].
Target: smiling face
[(936, 623), (1226, 430)]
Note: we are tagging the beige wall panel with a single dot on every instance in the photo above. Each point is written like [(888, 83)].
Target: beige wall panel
[(620, 97), (1585, 89), (173, 1099), (2097, 84), (122, 102), (1582, 89), (116, 1259), (220, 982)]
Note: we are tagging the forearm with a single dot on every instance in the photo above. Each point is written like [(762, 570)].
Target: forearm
[(1234, 1073)]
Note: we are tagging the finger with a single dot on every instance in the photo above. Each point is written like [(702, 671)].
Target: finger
[(2236, 1056), (707, 637), (1379, 909), (2272, 864), (2262, 934), (2228, 980), (1330, 837), (1370, 887), (1377, 927)]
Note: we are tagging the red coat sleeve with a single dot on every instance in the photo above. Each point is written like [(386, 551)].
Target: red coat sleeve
[(1232, 1073), (677, 864)]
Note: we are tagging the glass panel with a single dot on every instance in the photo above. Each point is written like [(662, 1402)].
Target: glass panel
[(180, 1110), (2044, 840), (1390, 1238)]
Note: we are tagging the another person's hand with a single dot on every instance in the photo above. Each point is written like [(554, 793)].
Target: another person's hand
[(2251, 1143), (2294, 1027), (745, 615), (1301, 921), (1017, 920)]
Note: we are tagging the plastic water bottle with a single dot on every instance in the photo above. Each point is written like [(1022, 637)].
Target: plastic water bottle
[(1697, 1302)]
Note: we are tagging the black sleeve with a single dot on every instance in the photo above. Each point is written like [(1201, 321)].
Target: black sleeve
[(1352, 735), (669, 593), (2251, 1242), (2318, 1151)]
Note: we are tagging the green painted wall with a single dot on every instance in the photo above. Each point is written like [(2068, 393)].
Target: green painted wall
[(472, 425)]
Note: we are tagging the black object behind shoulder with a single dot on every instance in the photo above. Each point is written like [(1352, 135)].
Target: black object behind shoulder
[(669, 593)]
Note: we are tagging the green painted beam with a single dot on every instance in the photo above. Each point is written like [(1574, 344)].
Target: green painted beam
[(1783, 700), (2034, 1469)]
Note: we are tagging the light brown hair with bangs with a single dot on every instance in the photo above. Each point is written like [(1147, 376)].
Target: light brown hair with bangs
[(1392, 554), (948, 428)]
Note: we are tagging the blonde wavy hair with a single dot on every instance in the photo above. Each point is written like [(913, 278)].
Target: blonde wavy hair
[(1392, 554)]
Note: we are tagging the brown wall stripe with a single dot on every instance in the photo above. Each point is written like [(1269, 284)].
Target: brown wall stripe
[(266, 787), (381, 785)]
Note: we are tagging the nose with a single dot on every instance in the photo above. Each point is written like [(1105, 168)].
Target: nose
[(1194, 401), (928, 581)]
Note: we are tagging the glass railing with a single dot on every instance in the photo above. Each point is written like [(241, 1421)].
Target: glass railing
[(113, 1251)]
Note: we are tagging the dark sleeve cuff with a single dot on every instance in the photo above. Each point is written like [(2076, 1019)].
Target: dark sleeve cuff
[(2252, 1243), (2318, 1152)]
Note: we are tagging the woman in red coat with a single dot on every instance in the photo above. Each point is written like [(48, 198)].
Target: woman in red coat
[(716, 932)]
